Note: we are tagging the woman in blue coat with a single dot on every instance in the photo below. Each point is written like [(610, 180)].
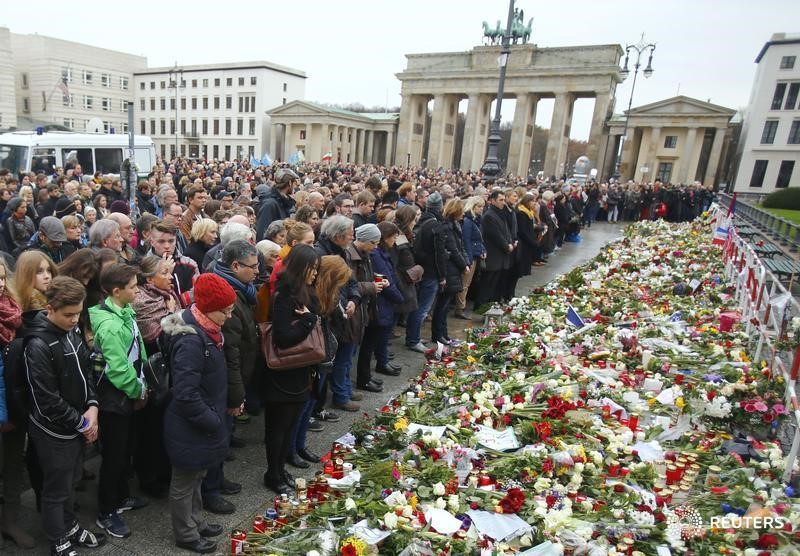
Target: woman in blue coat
[(381, 322), (473, 247), (195, 434)]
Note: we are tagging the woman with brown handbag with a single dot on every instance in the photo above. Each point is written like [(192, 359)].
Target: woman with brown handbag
[(294, 314)]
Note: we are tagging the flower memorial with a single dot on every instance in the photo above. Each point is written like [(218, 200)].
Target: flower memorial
[(642, 428)]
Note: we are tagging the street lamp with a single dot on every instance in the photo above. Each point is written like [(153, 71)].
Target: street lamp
[(491, 166), (176, 82), (639, 48)]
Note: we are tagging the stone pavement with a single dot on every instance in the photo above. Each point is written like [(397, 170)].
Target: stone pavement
[(152, 533)]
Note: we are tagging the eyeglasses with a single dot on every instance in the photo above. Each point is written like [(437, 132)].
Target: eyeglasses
[(253, 266), (227, 312)]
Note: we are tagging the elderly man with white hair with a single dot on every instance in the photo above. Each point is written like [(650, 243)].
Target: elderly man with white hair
[(127, 253), (238, 227), (105, 233)]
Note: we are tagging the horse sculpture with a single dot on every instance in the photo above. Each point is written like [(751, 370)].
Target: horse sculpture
[(519, 32), (493, 36)]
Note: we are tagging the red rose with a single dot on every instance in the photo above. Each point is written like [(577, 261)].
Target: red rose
[(767, 541)]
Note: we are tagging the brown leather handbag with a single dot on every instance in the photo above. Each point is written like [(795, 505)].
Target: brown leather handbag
[(311, 351)]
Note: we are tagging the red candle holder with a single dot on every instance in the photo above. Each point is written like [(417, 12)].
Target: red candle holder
[(613, 469), (633, 422), (673, 475)]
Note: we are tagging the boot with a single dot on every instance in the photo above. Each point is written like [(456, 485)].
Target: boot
[(9, 528)]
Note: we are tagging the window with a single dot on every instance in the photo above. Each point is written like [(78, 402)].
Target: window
[(768, 135), (302, 134), (229, 81), (124, 127), (194, 103), (670, 141), (205, 127), (241, 104), (152, 127), (142, 104), (284, 87), (105, 80), (183, 150), (123, 83), (791, 97), (787, 62), (215, 150), (193, 133), (163, 127), (228, 126), (227, 152), (172, 104), (66, 74), (123, 105), (240, 127), (142, 127), (105, 104), (252, 104), (67, 100), (163, 85), (164, 151), (24, 80), (205, 103), (241, 81), (152, 104), (183, 103), (141, 86), (183, 127), (759, 171), (794, 133), (216, 127), (216, 103), (88, 102), (205, 82), (172, 127), (86, 77), (777, 98), (152, 85), (664, 171), (784, 174), (252, 126), (194, 83), (163, 103), (69, 122), (26, 105), (216, 82), (228, 102), (252, 80)]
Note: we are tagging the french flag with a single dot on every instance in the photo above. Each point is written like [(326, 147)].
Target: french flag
[(721, 233), (574, 318)]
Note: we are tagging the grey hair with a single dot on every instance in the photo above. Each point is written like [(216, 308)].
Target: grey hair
[(102, 230), (336, 226), (233, 231), (267, 247), (162, 191), (276, 227), (237, 250)]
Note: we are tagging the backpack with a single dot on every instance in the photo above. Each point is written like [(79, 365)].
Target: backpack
[(157, 374), (18, 392)]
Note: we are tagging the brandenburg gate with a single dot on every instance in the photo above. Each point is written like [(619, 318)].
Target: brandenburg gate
[(562, 73)]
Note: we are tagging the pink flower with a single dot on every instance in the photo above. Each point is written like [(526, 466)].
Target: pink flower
[(749, 407), (760, 406), (779, 409)]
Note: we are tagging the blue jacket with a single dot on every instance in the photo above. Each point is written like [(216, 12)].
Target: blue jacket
[(195, 433), (473, 240), (382, 264)]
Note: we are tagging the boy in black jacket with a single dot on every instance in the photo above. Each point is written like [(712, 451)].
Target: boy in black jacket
[(63, 411)]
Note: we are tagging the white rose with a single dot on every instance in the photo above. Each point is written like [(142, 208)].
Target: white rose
[(390, 520), (440, 503), (586, 506), (408, 511), (453, 502), (312, 553), (526, 540), (349, 504), (438, 489)]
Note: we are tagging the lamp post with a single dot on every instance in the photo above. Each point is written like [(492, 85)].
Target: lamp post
[(639, 48), (176, 82), (491, 166)]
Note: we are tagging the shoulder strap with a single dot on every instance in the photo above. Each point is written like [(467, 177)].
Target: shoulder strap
[(52, 342)]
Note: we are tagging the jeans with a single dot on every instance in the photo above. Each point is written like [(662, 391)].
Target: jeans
[(212, 482), (439, 319), (426, 293), (340, 376), (301, 429), (613, 213)]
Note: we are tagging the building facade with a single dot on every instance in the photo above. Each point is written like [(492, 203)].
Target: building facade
[(70, 83), (317, 130), (215, 111), (8, 102), (770, 141), (677, 140)]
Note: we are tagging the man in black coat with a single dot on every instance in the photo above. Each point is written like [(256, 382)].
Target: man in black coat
[(277, 204), (499, 246)]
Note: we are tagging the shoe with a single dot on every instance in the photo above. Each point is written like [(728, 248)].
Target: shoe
[(218, 505), (278, 487), (327, 415), (376, 380), (390, 355), (229, 488), (211, 530), (296, 461), (200, 546), (445, 341), (63, 547), (349, 406), (288, 479), (237, 442), (132, 503), (418, 347), (315, 426), (242, 419), (308, 455), (83, 537), (356, 396), (462, 315), (389, 369), (113, 525), (370, 387)]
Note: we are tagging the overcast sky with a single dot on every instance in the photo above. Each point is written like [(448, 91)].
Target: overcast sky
[(350, 50)]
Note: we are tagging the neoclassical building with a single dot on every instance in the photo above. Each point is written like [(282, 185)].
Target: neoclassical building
[(678, 140)]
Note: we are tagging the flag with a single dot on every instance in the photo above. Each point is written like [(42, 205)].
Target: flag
[(327, 156), (732, 208), (574, 318), (297, 158), (266, 160), (721, 233), (676, 316), (62, 86), (253, 161)]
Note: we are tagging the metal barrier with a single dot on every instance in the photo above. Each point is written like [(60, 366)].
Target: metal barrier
[(767, 309), (781, 230)]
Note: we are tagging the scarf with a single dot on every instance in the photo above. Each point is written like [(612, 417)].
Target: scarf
[(10, 319), (526, 211), (210, 327), (248, 290)]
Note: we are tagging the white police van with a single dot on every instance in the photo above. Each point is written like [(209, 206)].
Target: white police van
[(31, 151)]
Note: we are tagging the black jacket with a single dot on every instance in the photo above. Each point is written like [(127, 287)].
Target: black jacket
[(350, 291), (429, 246), (241, 348), (274, 207), (496, 237), (363, 274), (456, 256), (61, 390), (197, 250)]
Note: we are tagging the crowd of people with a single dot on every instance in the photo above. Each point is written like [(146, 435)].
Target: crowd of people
[(96, 289)]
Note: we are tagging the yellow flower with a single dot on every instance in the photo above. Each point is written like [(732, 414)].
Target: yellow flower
[(651, 402), (413, 501), (680, 403), (401, 424), (471, 359)]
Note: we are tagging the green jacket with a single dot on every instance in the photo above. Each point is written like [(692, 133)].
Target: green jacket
[(113, 337)]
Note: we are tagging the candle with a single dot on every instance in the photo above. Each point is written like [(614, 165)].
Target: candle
[(633, 421), (613, 469), (673, 475)]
